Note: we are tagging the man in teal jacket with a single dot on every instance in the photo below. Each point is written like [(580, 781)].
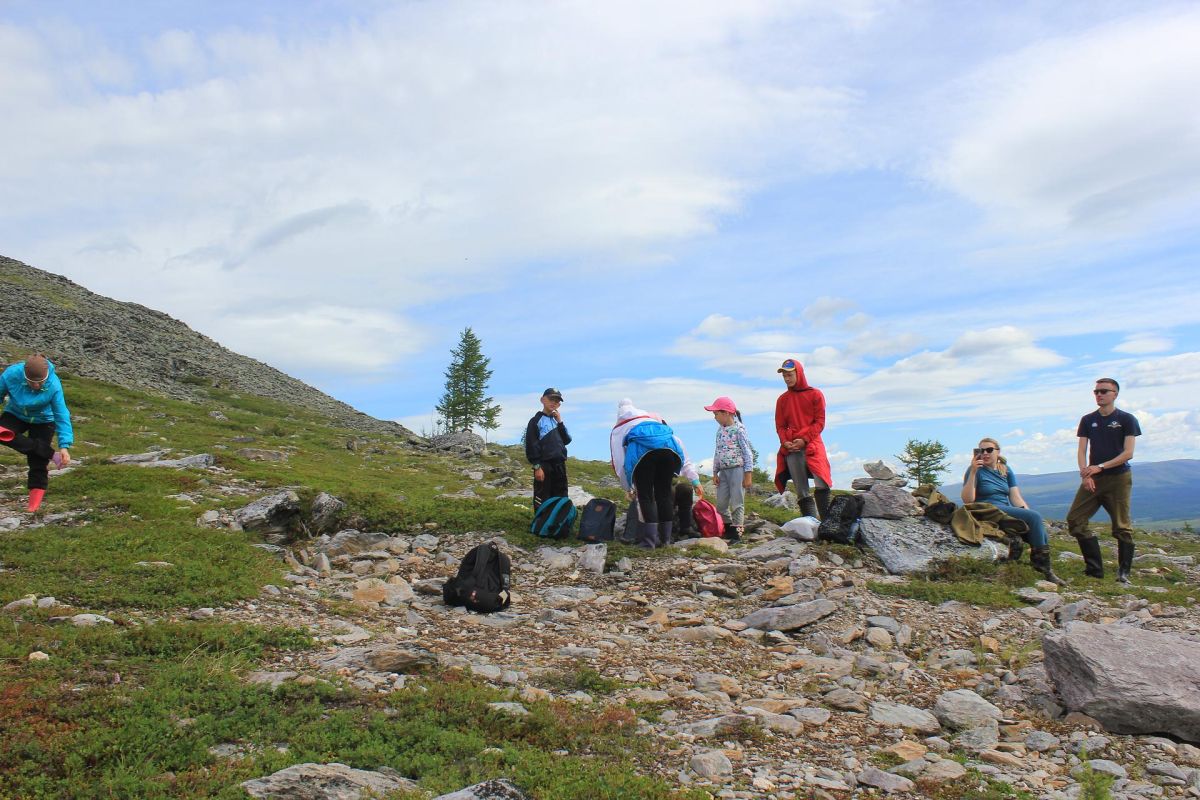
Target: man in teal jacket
[(34, 410)]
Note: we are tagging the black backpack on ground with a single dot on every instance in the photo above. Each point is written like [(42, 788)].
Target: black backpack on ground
[(632, 520), (840, 523), (598, 520), (484, 575), (683, 499), (554, 518)]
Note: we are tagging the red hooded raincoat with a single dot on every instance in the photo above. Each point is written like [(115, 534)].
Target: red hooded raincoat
[(800, 413)]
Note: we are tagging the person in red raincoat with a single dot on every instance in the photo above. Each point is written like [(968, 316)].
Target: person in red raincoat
[(799, 420)]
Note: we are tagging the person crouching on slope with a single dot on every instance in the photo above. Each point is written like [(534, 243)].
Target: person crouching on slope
[(646, 455), (34, 410)]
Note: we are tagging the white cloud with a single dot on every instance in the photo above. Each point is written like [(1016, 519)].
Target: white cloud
[(344, 339), (1141, 343), (1093, 131), (1183, 368), (369, 150)]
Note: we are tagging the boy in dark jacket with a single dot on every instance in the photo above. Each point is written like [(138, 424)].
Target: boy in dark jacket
[(546, 441)]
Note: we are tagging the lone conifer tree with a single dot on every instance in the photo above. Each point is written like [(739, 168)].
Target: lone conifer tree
[(464, 404), (924, 461)]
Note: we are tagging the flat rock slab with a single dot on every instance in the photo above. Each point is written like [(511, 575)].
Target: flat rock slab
[(325, 782), (500, 789), (913, 544), (789, 618), (904, 716), (1130, 680), (199, 460)]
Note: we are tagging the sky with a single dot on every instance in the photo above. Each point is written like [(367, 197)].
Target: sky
[(958, 215)]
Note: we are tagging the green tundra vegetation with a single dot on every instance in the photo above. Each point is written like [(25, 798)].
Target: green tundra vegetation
[(131, 710)]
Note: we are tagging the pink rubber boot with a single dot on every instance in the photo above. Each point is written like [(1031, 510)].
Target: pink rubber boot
[(6, 435), (35, 498)]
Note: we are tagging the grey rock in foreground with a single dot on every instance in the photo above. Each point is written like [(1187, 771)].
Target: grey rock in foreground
[(198, 460), (324, 782), (500, 789), (912, 545), (963, 709), (1130, 680), (789, 618)]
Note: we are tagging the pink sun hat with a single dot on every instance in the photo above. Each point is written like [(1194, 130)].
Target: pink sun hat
[(722, 404)]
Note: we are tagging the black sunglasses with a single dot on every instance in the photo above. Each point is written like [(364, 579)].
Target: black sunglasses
[(1101, 391), (981, 450)]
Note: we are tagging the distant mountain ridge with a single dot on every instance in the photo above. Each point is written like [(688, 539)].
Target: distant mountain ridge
[(130, 345), (1162, 490)]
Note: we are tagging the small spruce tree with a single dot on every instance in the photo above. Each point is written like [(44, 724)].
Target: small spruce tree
[(464, 403), (924, 461)]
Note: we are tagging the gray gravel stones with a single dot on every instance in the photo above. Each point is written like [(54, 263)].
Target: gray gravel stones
[(963, 709), (789, 618), (903, 716)]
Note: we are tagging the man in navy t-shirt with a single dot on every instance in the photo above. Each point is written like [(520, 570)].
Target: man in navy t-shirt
[(1106, 439)]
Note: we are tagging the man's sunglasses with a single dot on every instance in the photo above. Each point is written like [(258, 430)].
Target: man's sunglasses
[(1101, 391)]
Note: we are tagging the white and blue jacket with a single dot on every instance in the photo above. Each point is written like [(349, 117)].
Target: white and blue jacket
[(635, 436)]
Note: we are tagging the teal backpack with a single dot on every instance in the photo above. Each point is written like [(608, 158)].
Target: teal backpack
[(554, 518)]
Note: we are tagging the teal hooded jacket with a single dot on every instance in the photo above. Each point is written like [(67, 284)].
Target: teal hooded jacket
[(37, 406)]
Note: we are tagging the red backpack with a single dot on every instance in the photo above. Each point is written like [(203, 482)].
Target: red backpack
[(707, 520)]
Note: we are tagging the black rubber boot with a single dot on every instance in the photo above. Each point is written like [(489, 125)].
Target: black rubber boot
[(808, 506), (1039, 557), (664, 533), (1124, 560), (823, 496), (1016, 546), (647, 536), (733, 533), (1093, 562)]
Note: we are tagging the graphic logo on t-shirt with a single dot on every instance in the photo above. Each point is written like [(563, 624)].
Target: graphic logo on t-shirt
[(1114, 424)]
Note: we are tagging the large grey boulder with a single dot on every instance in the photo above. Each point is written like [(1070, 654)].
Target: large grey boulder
[(1130, 680), (325, 782), (912, 545), (499, 789), (273, 515), (324, 512), (789, 618), (878, 469), (889, 502), (462, 443)]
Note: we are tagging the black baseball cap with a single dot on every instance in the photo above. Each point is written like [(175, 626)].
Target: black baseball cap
[(553, 393)]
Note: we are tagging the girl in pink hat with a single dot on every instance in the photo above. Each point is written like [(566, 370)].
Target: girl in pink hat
[(733, 466)]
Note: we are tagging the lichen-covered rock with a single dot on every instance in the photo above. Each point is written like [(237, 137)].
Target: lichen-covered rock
[(325, 782)]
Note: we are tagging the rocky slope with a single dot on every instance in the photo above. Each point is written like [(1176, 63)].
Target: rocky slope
[(131, 345), (766, 670)]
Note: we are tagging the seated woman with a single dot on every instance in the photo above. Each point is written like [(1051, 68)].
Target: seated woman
[(989, 480)]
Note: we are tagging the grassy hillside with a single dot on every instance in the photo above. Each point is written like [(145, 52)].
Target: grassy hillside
[(140, 708), (130, 710)]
